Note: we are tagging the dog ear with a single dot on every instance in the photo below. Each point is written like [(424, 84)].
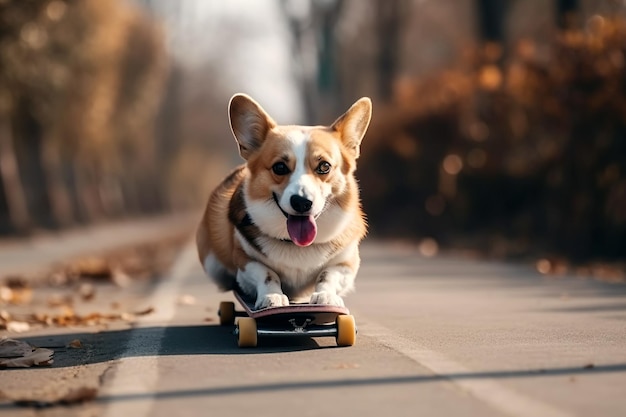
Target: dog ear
[(353, 124), (249, 123)]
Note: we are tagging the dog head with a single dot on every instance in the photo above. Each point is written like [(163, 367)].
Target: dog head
[(301, 177)]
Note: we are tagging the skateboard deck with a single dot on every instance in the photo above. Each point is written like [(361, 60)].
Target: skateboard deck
[(318, 313), (296, 319)]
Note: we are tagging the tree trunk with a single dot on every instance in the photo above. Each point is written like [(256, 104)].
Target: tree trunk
[(491, 19), (390, 18), (89, 207), (10, 176), (60, 202), (565, 13)]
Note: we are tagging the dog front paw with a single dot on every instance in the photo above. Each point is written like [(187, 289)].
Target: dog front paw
[(325, 297), (271, 300)]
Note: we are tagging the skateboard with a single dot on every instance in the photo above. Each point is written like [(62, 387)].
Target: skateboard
[(296, 319)]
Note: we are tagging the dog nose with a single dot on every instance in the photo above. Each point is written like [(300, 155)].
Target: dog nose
[(300, 204)]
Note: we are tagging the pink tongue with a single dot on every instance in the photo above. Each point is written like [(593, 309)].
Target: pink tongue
[(302, 229)]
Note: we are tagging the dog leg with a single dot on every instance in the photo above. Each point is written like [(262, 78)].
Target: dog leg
[(331, 283), (258, 279)]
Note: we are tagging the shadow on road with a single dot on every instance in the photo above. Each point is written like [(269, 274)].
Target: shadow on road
[(152, 341), (348, 383)]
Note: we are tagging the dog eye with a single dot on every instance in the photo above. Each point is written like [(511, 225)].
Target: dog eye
[(323, 168), (280, 168)]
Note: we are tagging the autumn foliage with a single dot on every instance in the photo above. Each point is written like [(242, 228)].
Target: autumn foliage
[(516, 154), (80, 86)]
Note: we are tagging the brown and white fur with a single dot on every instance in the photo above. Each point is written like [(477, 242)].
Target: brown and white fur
[(301, 175)]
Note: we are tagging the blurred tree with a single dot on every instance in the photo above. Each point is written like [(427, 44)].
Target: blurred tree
[(14, 210), (80, 84), (390, 18), (565, 13), (313, 25), (526, 159), (32, 78), (491, 18)]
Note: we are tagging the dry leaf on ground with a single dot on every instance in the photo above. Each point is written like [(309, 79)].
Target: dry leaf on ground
[(75, 344), (73, 396), (7, 322), (81, 277), (18, 354), (121, 266), (70, 318), (67, 317), (87, 291), (145, 311), (15, 290), (79, 395), (17, 326)]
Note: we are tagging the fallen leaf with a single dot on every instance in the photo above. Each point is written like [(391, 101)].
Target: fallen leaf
[(58, 300), (127, 316), (79, 395), (75, 344), (17, 326), (18, 354), (87, 291), (58, 278), (120, 278), (6, 294), (11, 348), (73, 396), (145, 311), (16, 295), (92, 267)]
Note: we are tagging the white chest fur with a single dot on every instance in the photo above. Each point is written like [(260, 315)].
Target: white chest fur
[(298, 267)]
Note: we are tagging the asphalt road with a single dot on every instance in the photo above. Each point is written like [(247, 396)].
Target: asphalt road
[(437, 336)]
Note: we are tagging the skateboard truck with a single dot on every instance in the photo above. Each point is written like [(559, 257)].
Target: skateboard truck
[(299, 328)]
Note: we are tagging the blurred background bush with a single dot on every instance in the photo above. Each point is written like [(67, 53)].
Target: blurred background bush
[(499, 125)]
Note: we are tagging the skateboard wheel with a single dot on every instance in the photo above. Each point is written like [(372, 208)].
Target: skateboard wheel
[(346, 330), (247, 336), (226, 313)]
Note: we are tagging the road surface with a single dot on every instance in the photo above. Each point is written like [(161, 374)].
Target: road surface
[(441, 336)]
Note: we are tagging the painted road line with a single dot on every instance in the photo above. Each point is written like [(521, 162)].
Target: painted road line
[(487, 390), (138, 374)]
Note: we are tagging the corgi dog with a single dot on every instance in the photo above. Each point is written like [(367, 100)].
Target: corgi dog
[(286, 225)]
